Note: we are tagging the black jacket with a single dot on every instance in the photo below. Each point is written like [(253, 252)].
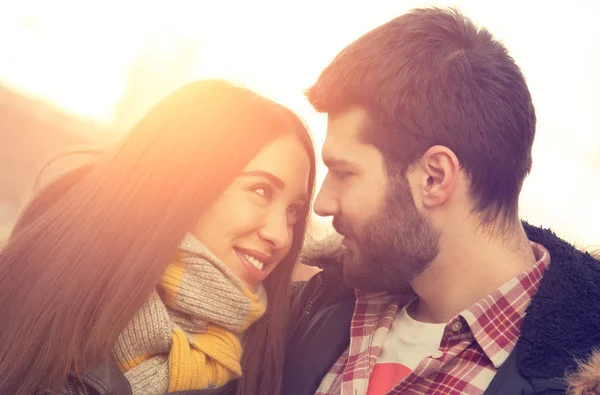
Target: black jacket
[(102, 380), (562, 325), (108, 380)]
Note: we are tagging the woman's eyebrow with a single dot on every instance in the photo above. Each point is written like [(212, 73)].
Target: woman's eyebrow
[(277, 182)]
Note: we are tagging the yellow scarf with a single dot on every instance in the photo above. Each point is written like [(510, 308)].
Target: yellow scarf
[(187, 335)]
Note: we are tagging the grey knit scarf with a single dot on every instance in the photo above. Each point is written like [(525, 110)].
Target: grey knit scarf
[(187, 335)]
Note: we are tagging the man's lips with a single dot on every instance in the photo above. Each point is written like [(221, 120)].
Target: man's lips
[(347, 241)]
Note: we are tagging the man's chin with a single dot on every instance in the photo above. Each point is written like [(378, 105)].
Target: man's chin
[(373, 282), (361, 281)]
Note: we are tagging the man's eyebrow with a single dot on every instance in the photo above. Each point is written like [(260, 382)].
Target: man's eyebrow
[(259, 173), (335, 162)]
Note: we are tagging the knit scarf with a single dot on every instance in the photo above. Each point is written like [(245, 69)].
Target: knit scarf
[(187, 335)]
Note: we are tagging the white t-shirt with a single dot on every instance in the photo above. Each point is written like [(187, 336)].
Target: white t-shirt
[(408, 342)]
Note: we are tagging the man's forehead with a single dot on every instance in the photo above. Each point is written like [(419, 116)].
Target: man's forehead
[(344, 142), (347, 125), (339, 146)]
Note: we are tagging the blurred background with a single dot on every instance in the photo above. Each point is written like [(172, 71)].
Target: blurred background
[(77, 73)]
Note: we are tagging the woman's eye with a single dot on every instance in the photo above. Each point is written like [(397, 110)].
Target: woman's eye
[(264, 191), (293, 215), (293, 211)]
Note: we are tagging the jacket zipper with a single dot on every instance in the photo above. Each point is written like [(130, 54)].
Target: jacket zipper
[(308, 307), (74, 389), (93, 384)]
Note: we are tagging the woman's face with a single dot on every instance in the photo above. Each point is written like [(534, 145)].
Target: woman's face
[(250, 226)]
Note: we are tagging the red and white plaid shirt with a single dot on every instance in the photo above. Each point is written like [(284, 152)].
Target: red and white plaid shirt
[(474, 344)]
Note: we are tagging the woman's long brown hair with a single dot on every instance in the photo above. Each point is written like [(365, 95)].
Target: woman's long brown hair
[(91, 247)]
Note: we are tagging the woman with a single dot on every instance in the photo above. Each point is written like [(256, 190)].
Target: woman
[(153, 256)]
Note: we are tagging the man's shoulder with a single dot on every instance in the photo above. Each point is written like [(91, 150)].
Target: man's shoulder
[(320, 330), (328, 284), (325, 291), (321, 290), (561, 324)]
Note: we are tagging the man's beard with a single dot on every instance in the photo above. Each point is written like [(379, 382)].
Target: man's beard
[(392, 247)]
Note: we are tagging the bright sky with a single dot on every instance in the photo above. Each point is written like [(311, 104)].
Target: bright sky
[(78, 55)]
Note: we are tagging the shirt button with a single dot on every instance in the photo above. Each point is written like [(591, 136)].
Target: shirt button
[(437, 355), (456, 326)]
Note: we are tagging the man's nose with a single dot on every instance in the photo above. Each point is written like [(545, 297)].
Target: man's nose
[(326, 203)]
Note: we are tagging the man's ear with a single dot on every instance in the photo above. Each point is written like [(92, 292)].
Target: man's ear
[(437, 173)]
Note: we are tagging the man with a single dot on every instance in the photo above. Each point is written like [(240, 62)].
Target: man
[(429, 138)]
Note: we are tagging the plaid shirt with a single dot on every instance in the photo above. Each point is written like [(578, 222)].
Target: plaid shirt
[(474, 344)]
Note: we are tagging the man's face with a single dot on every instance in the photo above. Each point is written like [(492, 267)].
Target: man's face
[(387, 240)]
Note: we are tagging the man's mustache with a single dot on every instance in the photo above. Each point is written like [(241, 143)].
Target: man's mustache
[(341, 227)]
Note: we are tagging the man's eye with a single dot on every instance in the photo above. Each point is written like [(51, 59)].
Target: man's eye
[(339, 174)]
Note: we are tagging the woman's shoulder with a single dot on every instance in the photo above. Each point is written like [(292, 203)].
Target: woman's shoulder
[(104, 379), (228, 389)]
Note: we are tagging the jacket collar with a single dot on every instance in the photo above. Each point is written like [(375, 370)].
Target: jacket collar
[(562, 324)]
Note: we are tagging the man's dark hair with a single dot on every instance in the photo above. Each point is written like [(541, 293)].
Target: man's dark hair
[(431, 77)]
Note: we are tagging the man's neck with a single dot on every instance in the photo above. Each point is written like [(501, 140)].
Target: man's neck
[(471, 265)]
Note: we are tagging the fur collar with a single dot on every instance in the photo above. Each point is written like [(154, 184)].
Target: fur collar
[(562, 325), (585, 380), (325, 254)]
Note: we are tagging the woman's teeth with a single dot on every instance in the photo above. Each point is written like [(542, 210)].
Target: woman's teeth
[(257, 264)]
